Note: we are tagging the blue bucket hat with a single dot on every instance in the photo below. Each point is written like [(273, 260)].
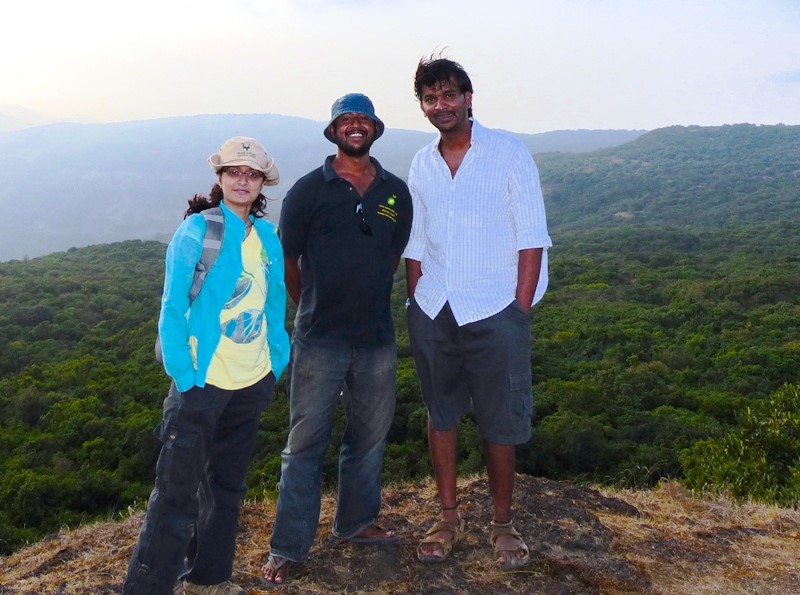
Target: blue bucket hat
[(353, 103)]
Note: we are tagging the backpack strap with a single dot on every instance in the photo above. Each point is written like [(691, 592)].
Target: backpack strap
[(212, 242)]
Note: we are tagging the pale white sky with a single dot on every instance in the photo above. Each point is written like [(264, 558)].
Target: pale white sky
[(536, 65)]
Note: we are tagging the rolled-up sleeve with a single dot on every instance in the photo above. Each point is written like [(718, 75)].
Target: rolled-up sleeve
[(527, 203)]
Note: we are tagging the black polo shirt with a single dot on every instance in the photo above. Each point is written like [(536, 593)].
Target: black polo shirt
[(346, 274)]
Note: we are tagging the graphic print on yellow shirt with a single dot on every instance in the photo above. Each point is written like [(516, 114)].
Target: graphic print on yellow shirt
[(242, 356)]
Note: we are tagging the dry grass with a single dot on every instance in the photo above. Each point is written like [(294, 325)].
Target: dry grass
[(689, 545), (582, 540)]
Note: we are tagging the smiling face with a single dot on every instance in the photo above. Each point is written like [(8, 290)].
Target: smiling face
[(354, 134), (445, 106), (241, 186)]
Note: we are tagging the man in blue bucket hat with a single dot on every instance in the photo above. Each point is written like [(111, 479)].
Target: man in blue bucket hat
[(343, 228), (353, 103)]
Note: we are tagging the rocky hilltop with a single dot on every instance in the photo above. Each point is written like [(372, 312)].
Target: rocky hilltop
[(582, 540)]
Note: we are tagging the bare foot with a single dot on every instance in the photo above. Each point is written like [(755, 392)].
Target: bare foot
[(276, 570)]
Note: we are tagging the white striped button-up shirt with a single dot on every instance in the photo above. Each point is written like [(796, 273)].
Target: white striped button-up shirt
[(468, 230)]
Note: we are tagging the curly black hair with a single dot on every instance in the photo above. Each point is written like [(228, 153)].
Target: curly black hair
[(435, 70)]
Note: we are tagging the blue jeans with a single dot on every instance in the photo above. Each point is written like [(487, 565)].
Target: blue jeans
[(189, 530), (322, 373)]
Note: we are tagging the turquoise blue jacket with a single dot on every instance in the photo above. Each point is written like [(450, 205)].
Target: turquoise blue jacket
[(179, 323)]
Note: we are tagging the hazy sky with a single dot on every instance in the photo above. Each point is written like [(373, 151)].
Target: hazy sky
[(536, 65)]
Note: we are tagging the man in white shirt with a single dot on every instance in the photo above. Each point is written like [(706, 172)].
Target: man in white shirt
[(476, 262)]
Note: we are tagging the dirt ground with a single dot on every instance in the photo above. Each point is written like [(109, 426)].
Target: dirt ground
[(583, 540)]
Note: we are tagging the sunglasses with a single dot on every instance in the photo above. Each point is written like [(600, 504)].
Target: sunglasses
[(363, 224)]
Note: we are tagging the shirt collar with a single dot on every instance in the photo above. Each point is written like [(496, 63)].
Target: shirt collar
[(478, 132), (330, 174)]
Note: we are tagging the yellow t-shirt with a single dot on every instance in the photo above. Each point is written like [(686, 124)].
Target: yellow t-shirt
[(242, 356)]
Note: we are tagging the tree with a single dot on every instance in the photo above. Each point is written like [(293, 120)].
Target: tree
[(759, 460)]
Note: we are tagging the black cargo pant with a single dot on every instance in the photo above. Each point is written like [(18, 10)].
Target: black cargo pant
[(208, 436)]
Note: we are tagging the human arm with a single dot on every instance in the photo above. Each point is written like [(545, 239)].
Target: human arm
[(413, 274), (528, 269), (183, 253), (275, 304), (415, 247), (292, 235), (292, 277), (530, 224), (405, 208)]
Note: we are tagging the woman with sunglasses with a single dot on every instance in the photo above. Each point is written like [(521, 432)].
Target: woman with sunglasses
[(224, 350)]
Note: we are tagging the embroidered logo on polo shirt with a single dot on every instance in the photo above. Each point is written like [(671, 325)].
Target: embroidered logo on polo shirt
[(386, 210)]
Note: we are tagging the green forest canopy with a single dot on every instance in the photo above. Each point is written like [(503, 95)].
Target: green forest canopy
[(653, 338)]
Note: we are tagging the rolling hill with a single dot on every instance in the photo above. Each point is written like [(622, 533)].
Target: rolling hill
[(686, 177)]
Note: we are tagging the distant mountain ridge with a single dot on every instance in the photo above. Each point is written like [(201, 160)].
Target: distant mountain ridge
[(693, 177), (576, 141), (70, 185)]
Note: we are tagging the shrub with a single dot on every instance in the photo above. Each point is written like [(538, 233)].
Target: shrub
[(759, 460)]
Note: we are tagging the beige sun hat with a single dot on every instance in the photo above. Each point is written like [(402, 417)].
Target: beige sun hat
[(243, 150)]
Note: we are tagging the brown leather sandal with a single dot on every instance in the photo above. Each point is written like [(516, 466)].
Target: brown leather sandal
[(456, 532), (508, 559)]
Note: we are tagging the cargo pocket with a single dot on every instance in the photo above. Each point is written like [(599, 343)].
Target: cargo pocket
[(177, 460), (521, 401)]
